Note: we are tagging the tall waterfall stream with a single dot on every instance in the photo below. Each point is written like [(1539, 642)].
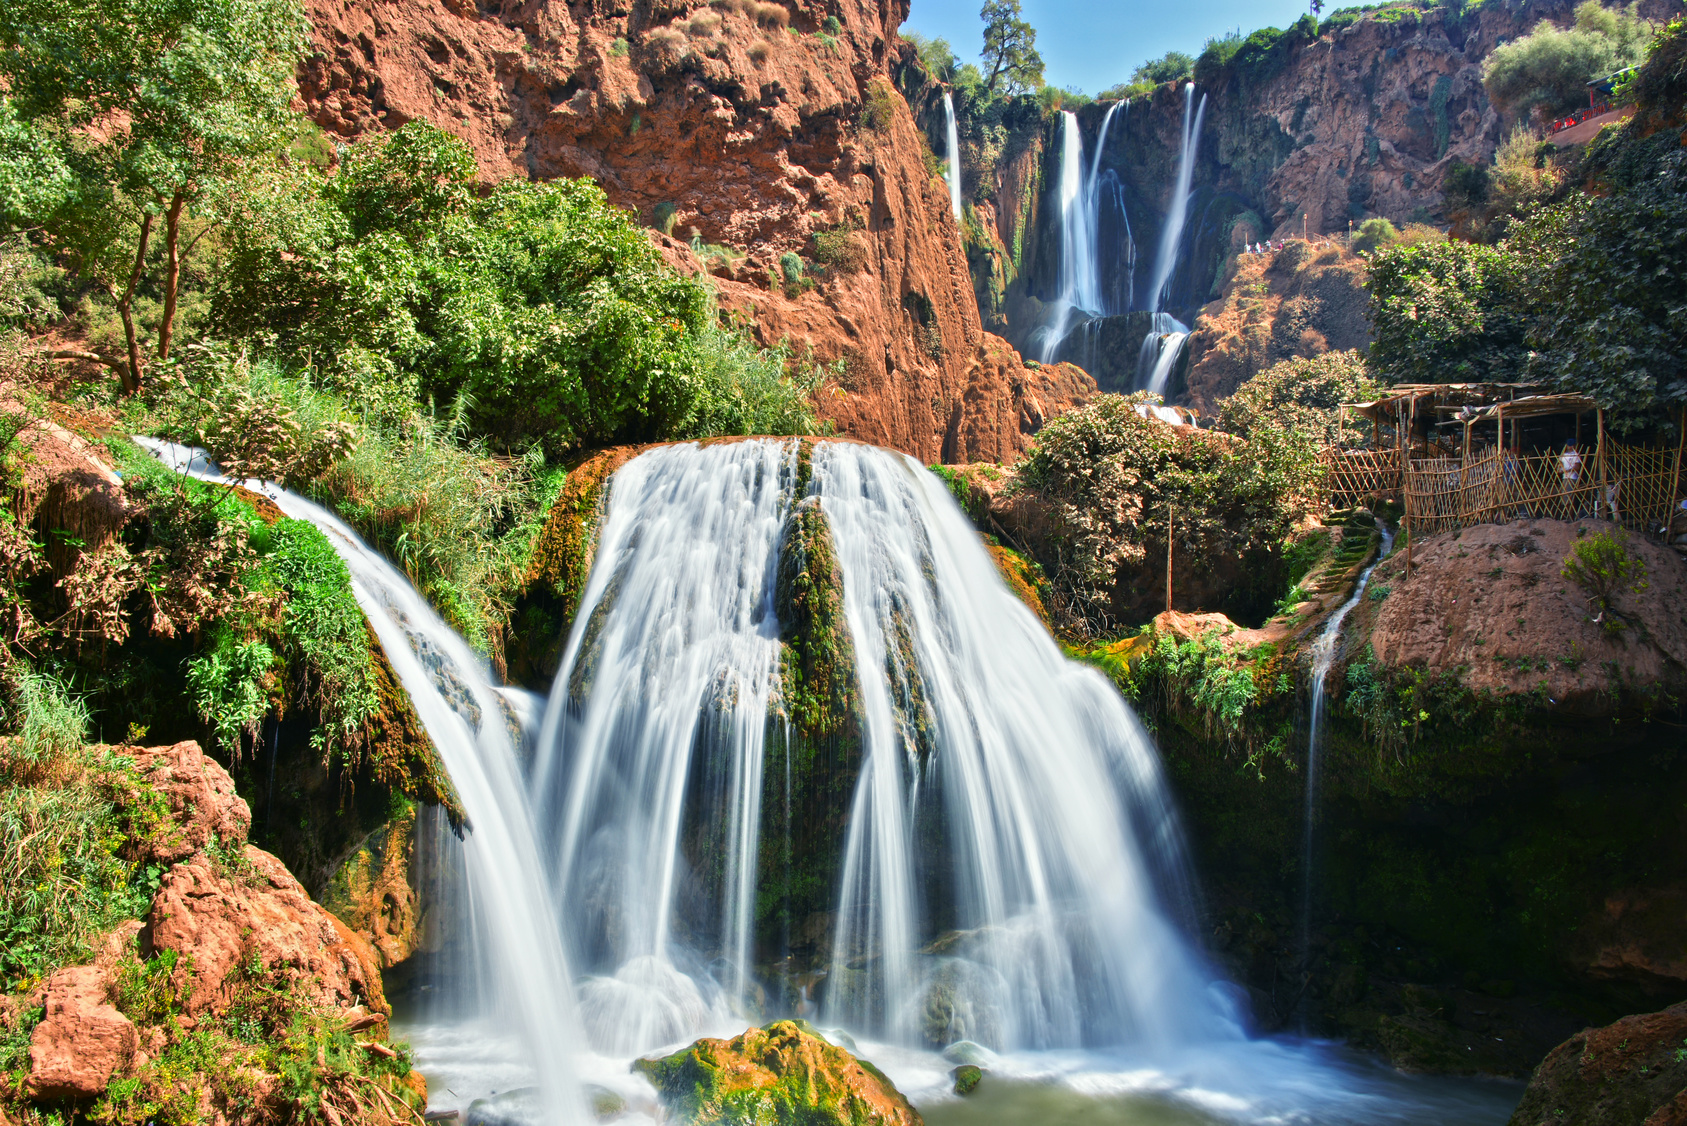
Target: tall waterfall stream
[(1009, 867)]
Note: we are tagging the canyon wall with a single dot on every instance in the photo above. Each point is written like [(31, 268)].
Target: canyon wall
[(754, 132)]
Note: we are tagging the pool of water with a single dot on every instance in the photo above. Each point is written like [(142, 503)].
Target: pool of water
[(1281, 1082)]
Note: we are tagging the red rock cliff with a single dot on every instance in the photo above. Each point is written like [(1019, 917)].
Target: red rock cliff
[(758, 126)]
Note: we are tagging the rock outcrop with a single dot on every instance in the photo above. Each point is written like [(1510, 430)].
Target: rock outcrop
[(758, 131), (1491, 606), (82, 1040), (1631, 1073), (204, 808), (374, 894), (782, 1074), (1303, 300)]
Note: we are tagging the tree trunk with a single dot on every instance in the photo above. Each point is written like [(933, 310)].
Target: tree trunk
[(132, 383), (172, 274)]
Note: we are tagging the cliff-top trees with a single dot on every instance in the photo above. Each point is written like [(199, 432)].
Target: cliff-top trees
[(1010, 49), (1551, 66), (133, 109)]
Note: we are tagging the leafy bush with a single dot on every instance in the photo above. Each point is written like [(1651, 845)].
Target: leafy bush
[(1108, 475), (1303, 395), (1170, 67), (545, 310), (231, 684), (63, 879), (878, 107), (1449, 312), (1373, 234), (1601, 565), (838, 248), (1550, 67)]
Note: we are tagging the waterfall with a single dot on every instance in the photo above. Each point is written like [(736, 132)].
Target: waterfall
[(653, 738), (451, 690), (1160, 350), (1010, 840), (1323, 656), (952, 138), (1171, 236), (1080, 266)]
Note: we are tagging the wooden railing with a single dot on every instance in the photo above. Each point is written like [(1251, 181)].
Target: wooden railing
[(1636, 487)]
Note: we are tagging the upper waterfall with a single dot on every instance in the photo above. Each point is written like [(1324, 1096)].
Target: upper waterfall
[(1177, 214), (952, 171), (1080, 221)]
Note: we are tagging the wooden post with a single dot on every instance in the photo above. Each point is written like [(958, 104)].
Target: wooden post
[(1405, 488), (1168, 557), (1675, 472), (1599, 456)]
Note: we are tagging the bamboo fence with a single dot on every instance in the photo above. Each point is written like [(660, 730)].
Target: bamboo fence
[(1634, 486)]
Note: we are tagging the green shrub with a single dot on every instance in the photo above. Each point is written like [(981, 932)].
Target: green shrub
[(1304, 395), (1601, 565), (1373, 235), (1170, 67), (790, 265), (878, 107), (1449, 312), (231, 686), (664, 216), (1551, 66), (831, 25), (838, 248)]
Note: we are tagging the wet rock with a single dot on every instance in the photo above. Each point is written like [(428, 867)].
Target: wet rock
[(967, 1077), (523, 1106), (605, 1104), (968, 1052), (1631, 1073), (222, 914), (82, 1039), (372, 891), (778, 1074)]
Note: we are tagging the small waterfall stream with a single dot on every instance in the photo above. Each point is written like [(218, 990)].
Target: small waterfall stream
[(1080, 219), (1177, 215), (1323, 657), (451, 689), (951, 138)]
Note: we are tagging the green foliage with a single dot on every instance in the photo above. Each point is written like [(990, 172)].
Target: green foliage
[(1170, 67), (546, 312), (1607, 277), (324, 631), (936, 56), (838, 248), (230, 683), (1602, 566), (1109, 475), (63, 879), (1010, 49), (1658, 88), (663, 217), (1303, 395), (1256, 58), (1449, 312), (1551, 66), (202, 86), (878, 107), (831, 25), (1373, 235), (790, 266)]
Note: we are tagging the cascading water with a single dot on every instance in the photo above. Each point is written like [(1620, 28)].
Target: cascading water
[(1323, 656), (1160, 350), (1171, 236), (452, 693), (653, 739), (1080, 200), (1057, 839), (951, 137)]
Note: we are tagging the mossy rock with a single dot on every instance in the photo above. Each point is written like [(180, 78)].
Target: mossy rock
[(400, 753), (817, 664), (775, 1075), (967, 1077)]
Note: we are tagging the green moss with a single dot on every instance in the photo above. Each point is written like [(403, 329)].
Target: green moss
[(817, 663), (773, 1076)]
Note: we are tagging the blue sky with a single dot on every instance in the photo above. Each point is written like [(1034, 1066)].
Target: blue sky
[(1094, 44)]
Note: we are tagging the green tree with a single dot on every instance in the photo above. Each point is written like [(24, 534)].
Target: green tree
[(1010, 48), (1302, 395), (1449, 312), (1170, 67), (1373, 234), (543, 311), (1551, 66), (136, 109)]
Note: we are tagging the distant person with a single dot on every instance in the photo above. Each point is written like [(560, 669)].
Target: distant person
[(1570, 469)]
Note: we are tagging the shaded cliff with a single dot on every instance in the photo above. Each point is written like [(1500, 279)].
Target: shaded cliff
[(766, 136)]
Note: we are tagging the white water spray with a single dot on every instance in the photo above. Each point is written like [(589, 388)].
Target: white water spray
[(1160, 350), (1171, 236), (653, 739), (451, 690), (1009, 807), (951, 137)]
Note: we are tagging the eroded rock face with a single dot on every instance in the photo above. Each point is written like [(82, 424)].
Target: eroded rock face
[(1492, 604), (1630, 1073), (778, 1074), (204, 807), (82, 1040), (222, 916), (372, 892), (765, 128)]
